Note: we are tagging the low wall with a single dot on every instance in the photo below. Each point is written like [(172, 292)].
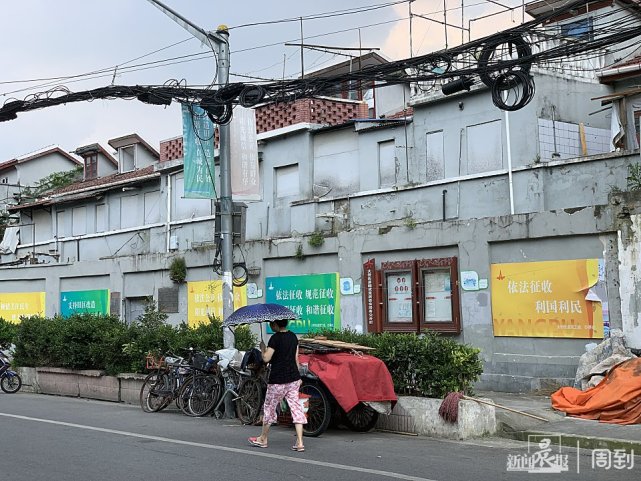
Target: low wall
[(415, 415), (418, 415)]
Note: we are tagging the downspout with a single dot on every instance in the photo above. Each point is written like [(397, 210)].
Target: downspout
[(168, 217), (509, 162)]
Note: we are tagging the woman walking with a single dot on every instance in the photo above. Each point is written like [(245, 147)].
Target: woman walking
[(284, 383)]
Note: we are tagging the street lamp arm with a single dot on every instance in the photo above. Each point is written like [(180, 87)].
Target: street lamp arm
[(201, 34)]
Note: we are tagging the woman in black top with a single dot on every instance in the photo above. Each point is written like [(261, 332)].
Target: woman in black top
[(284, 383)]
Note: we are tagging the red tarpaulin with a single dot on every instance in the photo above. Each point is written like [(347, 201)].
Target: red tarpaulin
[(616, 399), (352, 378)]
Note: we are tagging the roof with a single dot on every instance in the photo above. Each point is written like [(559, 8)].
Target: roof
[(127, 140), (625, 68), (84, 189), (347, 66), (91, 148), (52, 149)]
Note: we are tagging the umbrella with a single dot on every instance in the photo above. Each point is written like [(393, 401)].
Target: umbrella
[(259, 313)]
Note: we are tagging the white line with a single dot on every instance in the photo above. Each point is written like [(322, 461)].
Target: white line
[(343, 467)]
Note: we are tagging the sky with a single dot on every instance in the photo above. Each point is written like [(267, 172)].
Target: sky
[(45, 44)]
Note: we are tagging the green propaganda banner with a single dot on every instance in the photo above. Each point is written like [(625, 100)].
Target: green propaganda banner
[(81, 302), (198, 153), (314, 298)]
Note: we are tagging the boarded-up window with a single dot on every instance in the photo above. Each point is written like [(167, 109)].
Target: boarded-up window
[(484, 147), (435, 156), (286, 180), (79, 221), (387, 163), (62, 229), (152, 207), (128, 211), (183, 208), (102, 221), (168, 299)]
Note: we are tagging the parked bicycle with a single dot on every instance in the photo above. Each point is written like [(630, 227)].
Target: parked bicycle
[(245, 382), (10, 381), (202, 389), (163, 385)]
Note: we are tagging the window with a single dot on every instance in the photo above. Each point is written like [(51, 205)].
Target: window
[(5, 180), (127, 158), (435, 157), (129, 214), (637, 125), (79, 221), (411, 296), (387, 163), (62, 229), (102, 221), (581, 29), (286, 181), (484, 147), (91, 166), (152, 207)]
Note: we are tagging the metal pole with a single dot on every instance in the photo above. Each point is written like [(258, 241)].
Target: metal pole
[(411, 47), (226, 203), (302, 57)]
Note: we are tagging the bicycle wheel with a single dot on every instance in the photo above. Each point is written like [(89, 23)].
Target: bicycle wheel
[(153, 396), (204, 394), (11, 383), (319, 413), (182, 400), (361, 418), (249, 401)]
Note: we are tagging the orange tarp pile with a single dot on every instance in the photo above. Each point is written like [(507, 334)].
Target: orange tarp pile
[(616, 399)]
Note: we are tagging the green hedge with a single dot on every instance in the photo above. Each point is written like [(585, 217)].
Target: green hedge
[(87, 341), (428, 364)]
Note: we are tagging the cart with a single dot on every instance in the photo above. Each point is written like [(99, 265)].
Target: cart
[(348, 388)]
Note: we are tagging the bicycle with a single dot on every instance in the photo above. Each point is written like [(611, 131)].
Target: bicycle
[(201, 390), (10, 381), (163, 386), (246, 386), (239, 269)]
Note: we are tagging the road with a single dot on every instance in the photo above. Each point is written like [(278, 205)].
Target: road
[(49, 438)]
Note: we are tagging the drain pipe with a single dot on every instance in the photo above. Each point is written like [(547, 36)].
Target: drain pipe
[(509, 162), (444, 193)]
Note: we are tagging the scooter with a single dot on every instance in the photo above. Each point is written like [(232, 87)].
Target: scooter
[(10, 381)]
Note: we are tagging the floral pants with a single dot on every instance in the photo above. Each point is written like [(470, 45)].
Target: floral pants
[(275, 394)]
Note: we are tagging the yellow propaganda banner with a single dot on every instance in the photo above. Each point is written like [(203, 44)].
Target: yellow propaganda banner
[(13, 305), (206, 297), (547, 299)]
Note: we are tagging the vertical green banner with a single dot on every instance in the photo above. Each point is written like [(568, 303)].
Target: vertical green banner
[(198, 153), (314, 298), (81, 302)]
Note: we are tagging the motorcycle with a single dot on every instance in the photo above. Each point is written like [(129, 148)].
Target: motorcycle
[(10, 381)]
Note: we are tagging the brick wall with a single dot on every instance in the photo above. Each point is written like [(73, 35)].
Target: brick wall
[(277, 115)]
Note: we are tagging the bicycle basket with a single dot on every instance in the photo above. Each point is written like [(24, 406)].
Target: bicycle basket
[(201, 362), (152, 362)]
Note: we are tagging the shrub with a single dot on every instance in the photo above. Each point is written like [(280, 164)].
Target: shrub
[(88, 341), (425, 365), (8, 332), (178, 270)]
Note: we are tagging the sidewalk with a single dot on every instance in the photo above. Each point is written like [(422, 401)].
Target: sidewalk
[(561, 429)]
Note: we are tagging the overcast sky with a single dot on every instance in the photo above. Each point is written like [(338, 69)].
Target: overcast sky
[(44, 39)]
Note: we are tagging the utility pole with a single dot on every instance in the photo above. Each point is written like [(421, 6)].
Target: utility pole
[(218, 40)]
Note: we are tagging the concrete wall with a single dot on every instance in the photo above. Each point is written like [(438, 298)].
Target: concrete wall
[(33, 170), (629, 243)]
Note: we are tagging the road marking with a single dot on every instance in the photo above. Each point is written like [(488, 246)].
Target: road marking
[(250, 452)]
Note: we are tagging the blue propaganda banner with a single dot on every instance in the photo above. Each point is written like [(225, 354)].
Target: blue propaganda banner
[(198, 151)]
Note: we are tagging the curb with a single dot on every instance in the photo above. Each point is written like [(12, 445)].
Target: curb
[(574, 440)]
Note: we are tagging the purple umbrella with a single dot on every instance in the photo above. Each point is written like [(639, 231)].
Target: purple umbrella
[(259, 313)]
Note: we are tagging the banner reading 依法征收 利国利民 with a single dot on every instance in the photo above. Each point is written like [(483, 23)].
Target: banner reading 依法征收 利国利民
[(547, 299)]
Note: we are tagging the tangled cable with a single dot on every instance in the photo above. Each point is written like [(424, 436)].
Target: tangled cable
[(501, 61)]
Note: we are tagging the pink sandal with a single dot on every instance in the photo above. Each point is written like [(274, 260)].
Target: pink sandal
[(299, 449), (255, 442)]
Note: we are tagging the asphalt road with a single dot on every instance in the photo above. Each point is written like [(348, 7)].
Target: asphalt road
[(49, 438)]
